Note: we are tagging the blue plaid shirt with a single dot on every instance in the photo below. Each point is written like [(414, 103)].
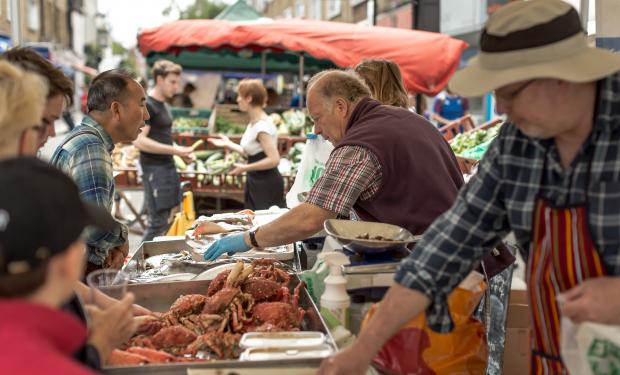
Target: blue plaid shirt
[(87, 159), (501, 198)]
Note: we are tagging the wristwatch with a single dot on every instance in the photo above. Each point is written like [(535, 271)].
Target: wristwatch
[(252, 234)]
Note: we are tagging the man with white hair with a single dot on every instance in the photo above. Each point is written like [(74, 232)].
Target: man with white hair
[(552, 177), (389, 165)]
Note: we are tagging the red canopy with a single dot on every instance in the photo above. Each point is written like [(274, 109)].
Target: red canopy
[(427, 60)]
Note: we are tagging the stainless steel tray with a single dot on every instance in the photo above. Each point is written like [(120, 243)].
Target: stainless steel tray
[(137, 264), (159, 297), (348, 232)]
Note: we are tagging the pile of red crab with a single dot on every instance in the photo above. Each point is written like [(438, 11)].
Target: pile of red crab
[(247, 298)]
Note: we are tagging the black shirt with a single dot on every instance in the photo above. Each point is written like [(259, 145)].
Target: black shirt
[(161, 131)]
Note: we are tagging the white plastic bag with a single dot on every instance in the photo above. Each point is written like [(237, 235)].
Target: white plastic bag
[(311, 167), (590, 348)]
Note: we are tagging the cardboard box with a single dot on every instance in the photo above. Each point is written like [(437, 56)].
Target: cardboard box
[(517, 349)]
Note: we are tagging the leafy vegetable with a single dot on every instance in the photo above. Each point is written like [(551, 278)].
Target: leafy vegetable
[(466, 141)]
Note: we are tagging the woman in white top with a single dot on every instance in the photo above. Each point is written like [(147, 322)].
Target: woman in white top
[(264, 186)]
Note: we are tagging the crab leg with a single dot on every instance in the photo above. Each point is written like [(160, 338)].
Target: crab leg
[(234, 274)]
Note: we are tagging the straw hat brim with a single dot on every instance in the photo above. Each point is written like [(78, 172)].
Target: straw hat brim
[(590, 65)]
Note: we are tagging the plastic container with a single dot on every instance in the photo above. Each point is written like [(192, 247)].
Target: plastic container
[(335, 299), (271, 354), (315, 278), (290, 340)]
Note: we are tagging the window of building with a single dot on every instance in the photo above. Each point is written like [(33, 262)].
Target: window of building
[(356, 2), (33, 15), (300, 9), (334, 8), (316, 12), (288, 13)]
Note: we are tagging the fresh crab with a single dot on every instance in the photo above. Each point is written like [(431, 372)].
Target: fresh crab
[(154, 356), (261, 279), (246, 298), (230, 278), (224, 345), (278, 316), (173, 339), (149, 324), (141, 341), (137, 356), (123, 358), (264, 289), (266, 269)]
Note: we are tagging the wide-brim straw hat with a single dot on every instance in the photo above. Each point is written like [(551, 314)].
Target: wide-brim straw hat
[(527, 40)]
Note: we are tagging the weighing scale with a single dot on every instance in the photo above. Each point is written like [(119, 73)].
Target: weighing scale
[(370, 274)]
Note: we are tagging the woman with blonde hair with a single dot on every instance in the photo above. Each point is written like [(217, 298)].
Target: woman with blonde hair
[(264, 185), (385, 81), (22, 100)]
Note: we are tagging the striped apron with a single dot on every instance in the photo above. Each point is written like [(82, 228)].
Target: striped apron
[(562, 256)]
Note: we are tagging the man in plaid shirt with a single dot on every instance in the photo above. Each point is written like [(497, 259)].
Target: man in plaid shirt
[(552, 177), (117, 111)]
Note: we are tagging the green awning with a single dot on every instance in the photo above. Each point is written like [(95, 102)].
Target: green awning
[(239, 11), (244, 61)]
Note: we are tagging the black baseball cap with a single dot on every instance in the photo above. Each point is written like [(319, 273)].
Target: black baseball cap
[(41, 214)]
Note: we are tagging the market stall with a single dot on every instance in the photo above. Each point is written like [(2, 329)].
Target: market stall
[(345, 45)]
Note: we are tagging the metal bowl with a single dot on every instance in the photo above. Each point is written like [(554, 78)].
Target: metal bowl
[(346, 232)]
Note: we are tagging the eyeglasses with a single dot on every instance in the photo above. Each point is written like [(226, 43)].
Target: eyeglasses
[(511, 96)]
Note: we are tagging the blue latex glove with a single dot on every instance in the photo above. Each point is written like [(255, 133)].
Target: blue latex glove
[(230, 244)]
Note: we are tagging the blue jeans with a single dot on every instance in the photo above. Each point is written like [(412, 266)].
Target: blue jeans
[(162, 192)]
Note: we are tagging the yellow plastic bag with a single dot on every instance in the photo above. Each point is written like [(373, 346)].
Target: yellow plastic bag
[(416, 349), (184, 219)]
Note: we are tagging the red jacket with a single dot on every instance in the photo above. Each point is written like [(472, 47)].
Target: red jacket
[(36, 339)]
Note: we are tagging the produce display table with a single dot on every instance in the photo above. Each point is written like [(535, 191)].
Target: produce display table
[(471, 145)]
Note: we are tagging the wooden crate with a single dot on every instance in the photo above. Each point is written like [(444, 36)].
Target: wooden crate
[(466, 164), (285, 143), (452, 129)]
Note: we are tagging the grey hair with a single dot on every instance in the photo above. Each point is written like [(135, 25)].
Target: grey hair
[(339, 83), (109, 86)]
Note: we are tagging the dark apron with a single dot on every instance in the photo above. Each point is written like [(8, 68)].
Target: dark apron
[(562, 256), (265, 188), (162, 186)]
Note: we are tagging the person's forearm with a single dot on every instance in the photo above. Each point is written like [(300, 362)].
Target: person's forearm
[(149, 145), (232, 146), (440, 119), (297, 224), (399, 306), (263, 164)]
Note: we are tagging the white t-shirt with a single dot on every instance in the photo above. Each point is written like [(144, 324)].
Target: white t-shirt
[(249, 141)]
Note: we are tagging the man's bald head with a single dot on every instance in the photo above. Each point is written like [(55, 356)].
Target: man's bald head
[(338, 83)]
